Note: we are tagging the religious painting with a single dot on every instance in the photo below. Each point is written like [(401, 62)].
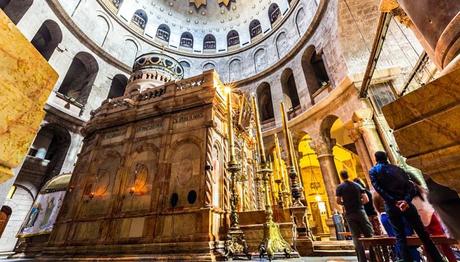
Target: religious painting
[(43, 214)]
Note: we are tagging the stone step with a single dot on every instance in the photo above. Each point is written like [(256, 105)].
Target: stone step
[(333, 248)]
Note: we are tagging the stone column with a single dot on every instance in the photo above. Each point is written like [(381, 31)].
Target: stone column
[(364, 156), (323, 148), (365, 125)]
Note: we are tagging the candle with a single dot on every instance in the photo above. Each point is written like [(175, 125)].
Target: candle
[(259, 132), (287, 136), (230, 126)]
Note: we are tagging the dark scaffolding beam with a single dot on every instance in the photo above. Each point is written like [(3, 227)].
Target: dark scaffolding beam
[(382, 29)]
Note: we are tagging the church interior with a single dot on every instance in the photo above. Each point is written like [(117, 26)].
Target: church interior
[(211, 130)]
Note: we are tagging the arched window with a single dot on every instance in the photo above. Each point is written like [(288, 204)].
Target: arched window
[(51, 143), (163, 33), (47, 38), (117, 3), (5, 214), (265, 103), (140, 18), (233, 38), (274, 12), (186, 66), (290, 95), (186, 40), (255, 28), (208, 66), (80, 77), (209, 42), (314, 70), (15, 9), (118, 86)]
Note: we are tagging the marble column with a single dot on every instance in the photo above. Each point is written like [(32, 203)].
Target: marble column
[(323, 148), (364, 123), (364, 157)]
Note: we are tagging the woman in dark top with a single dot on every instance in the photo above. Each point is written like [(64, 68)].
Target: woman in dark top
[(370, 209)]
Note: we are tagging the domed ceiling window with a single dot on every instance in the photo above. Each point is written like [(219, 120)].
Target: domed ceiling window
[(209, 42), (255, 28), (186, 40), (163, 32), (233, 38), (140, 18), (117, 3), (274, 12)]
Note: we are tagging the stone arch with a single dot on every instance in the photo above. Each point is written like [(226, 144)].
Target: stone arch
[(186, 66), (300, 21), (235, 70), (260, 60), (118, 86), (186, 170), (233, 38), (47, 38), (209, 42), (100, 30), (79, 79), (163, 32), (186, 40), (314, 71), (15, 9), (140, 18), (130, 51), (209, 65), (281, 44), (51, 145), (274, 13), (289, 87), (265, 102), (255, 28), (326, 125)]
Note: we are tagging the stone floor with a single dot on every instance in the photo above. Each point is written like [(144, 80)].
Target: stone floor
[(309, 259)]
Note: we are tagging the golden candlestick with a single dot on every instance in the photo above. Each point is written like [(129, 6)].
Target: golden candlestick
[(295, 187), (273, 242), (235, 245)]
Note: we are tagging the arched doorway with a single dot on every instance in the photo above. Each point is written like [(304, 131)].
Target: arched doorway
[(15, 9), (118, 86), (290, 95), (265, 103), (314, 71), (78, 81), (47, 38)]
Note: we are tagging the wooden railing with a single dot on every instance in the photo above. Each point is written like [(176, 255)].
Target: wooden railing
[(382, 249)]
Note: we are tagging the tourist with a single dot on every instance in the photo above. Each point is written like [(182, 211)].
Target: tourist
[(352, 196), (446, 202), (393, 184), (429, 218), (380, 206), (370, 209)]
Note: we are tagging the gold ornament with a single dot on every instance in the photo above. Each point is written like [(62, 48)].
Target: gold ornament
[(198, 3)]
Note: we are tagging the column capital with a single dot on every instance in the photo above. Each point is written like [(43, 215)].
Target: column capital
[(393, 7), (323, 146)]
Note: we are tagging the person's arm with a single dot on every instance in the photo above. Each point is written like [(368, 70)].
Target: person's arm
[(375, 183), (339, 200), (410, 188)]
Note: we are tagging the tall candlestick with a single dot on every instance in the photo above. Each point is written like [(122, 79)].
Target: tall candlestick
[(231, 144), (295, 188), (273, 242), (235, 242), (260, 143)]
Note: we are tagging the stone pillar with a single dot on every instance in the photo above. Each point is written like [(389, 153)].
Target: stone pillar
[(365, 125), (364, 156), (323, 148)]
